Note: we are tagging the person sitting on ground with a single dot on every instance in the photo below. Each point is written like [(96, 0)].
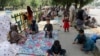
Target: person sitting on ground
[(81, 38), (56, 49), (34, 26), (88, 46), (15, 37), (93, 23), (87, 21), (48, 28)]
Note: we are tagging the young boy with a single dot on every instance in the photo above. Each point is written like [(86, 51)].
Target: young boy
[(81, 38), (48, 29)]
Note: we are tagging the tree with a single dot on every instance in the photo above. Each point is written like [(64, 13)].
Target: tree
[(3, 3), (56, 2), (22, 3), (84, 2), (14, 3), (69, 2), (33, 3)]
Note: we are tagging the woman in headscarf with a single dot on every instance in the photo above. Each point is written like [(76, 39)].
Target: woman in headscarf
[(14, 36)]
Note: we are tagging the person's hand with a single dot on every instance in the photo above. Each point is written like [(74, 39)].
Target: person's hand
[(81, 49), (48, 32)]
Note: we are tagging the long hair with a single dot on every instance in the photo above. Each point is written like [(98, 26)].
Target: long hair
[(56, 43), (30, 13)]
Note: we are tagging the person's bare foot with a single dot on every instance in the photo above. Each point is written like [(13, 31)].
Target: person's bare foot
[(86, 52), (68, 30), (73, 43)]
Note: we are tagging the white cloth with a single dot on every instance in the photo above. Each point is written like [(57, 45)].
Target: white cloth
[(72, 12), (98, 44), (72, 8), (56, 19), (7, 49), (4, 27), (60, 13)]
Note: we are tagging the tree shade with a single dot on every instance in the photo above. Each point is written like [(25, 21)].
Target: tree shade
[(69, 2), (38, 3)]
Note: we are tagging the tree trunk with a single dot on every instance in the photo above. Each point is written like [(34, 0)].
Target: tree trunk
[(68, 6), (2, 7), (76, 4), (81, 3)]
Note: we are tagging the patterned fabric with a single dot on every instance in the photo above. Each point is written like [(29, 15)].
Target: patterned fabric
[(37, 44)]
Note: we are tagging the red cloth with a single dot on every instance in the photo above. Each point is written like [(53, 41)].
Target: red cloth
[(30, 17), (66, 23)]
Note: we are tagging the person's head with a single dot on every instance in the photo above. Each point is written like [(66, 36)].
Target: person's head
[(81, 32), (56, 43), (29, 10), (48, 21), (88, 18), (13, 28), (33, 21), (65, 17), (93, 19), (85, 9)]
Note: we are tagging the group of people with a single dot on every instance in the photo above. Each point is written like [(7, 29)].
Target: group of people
[(87, 44), (68, 18), (84, 20)]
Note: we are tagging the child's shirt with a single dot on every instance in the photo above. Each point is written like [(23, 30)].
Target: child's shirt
[(48, 27), (65, 20), (80, 38), (56, 49)]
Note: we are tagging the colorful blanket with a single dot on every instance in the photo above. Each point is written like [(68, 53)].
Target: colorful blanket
[(37, 44)]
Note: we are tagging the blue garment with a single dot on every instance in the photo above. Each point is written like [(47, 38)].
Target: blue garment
[(94, 37), (89, 45)]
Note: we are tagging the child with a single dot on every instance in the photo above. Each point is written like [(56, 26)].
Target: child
[(93, 23), (56, 49), (66, 23), (34, 26), (48, 29), (87, 21), (81, 38)]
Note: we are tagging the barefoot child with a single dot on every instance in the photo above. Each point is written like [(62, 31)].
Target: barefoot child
[(66, 23), (48, 28)]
